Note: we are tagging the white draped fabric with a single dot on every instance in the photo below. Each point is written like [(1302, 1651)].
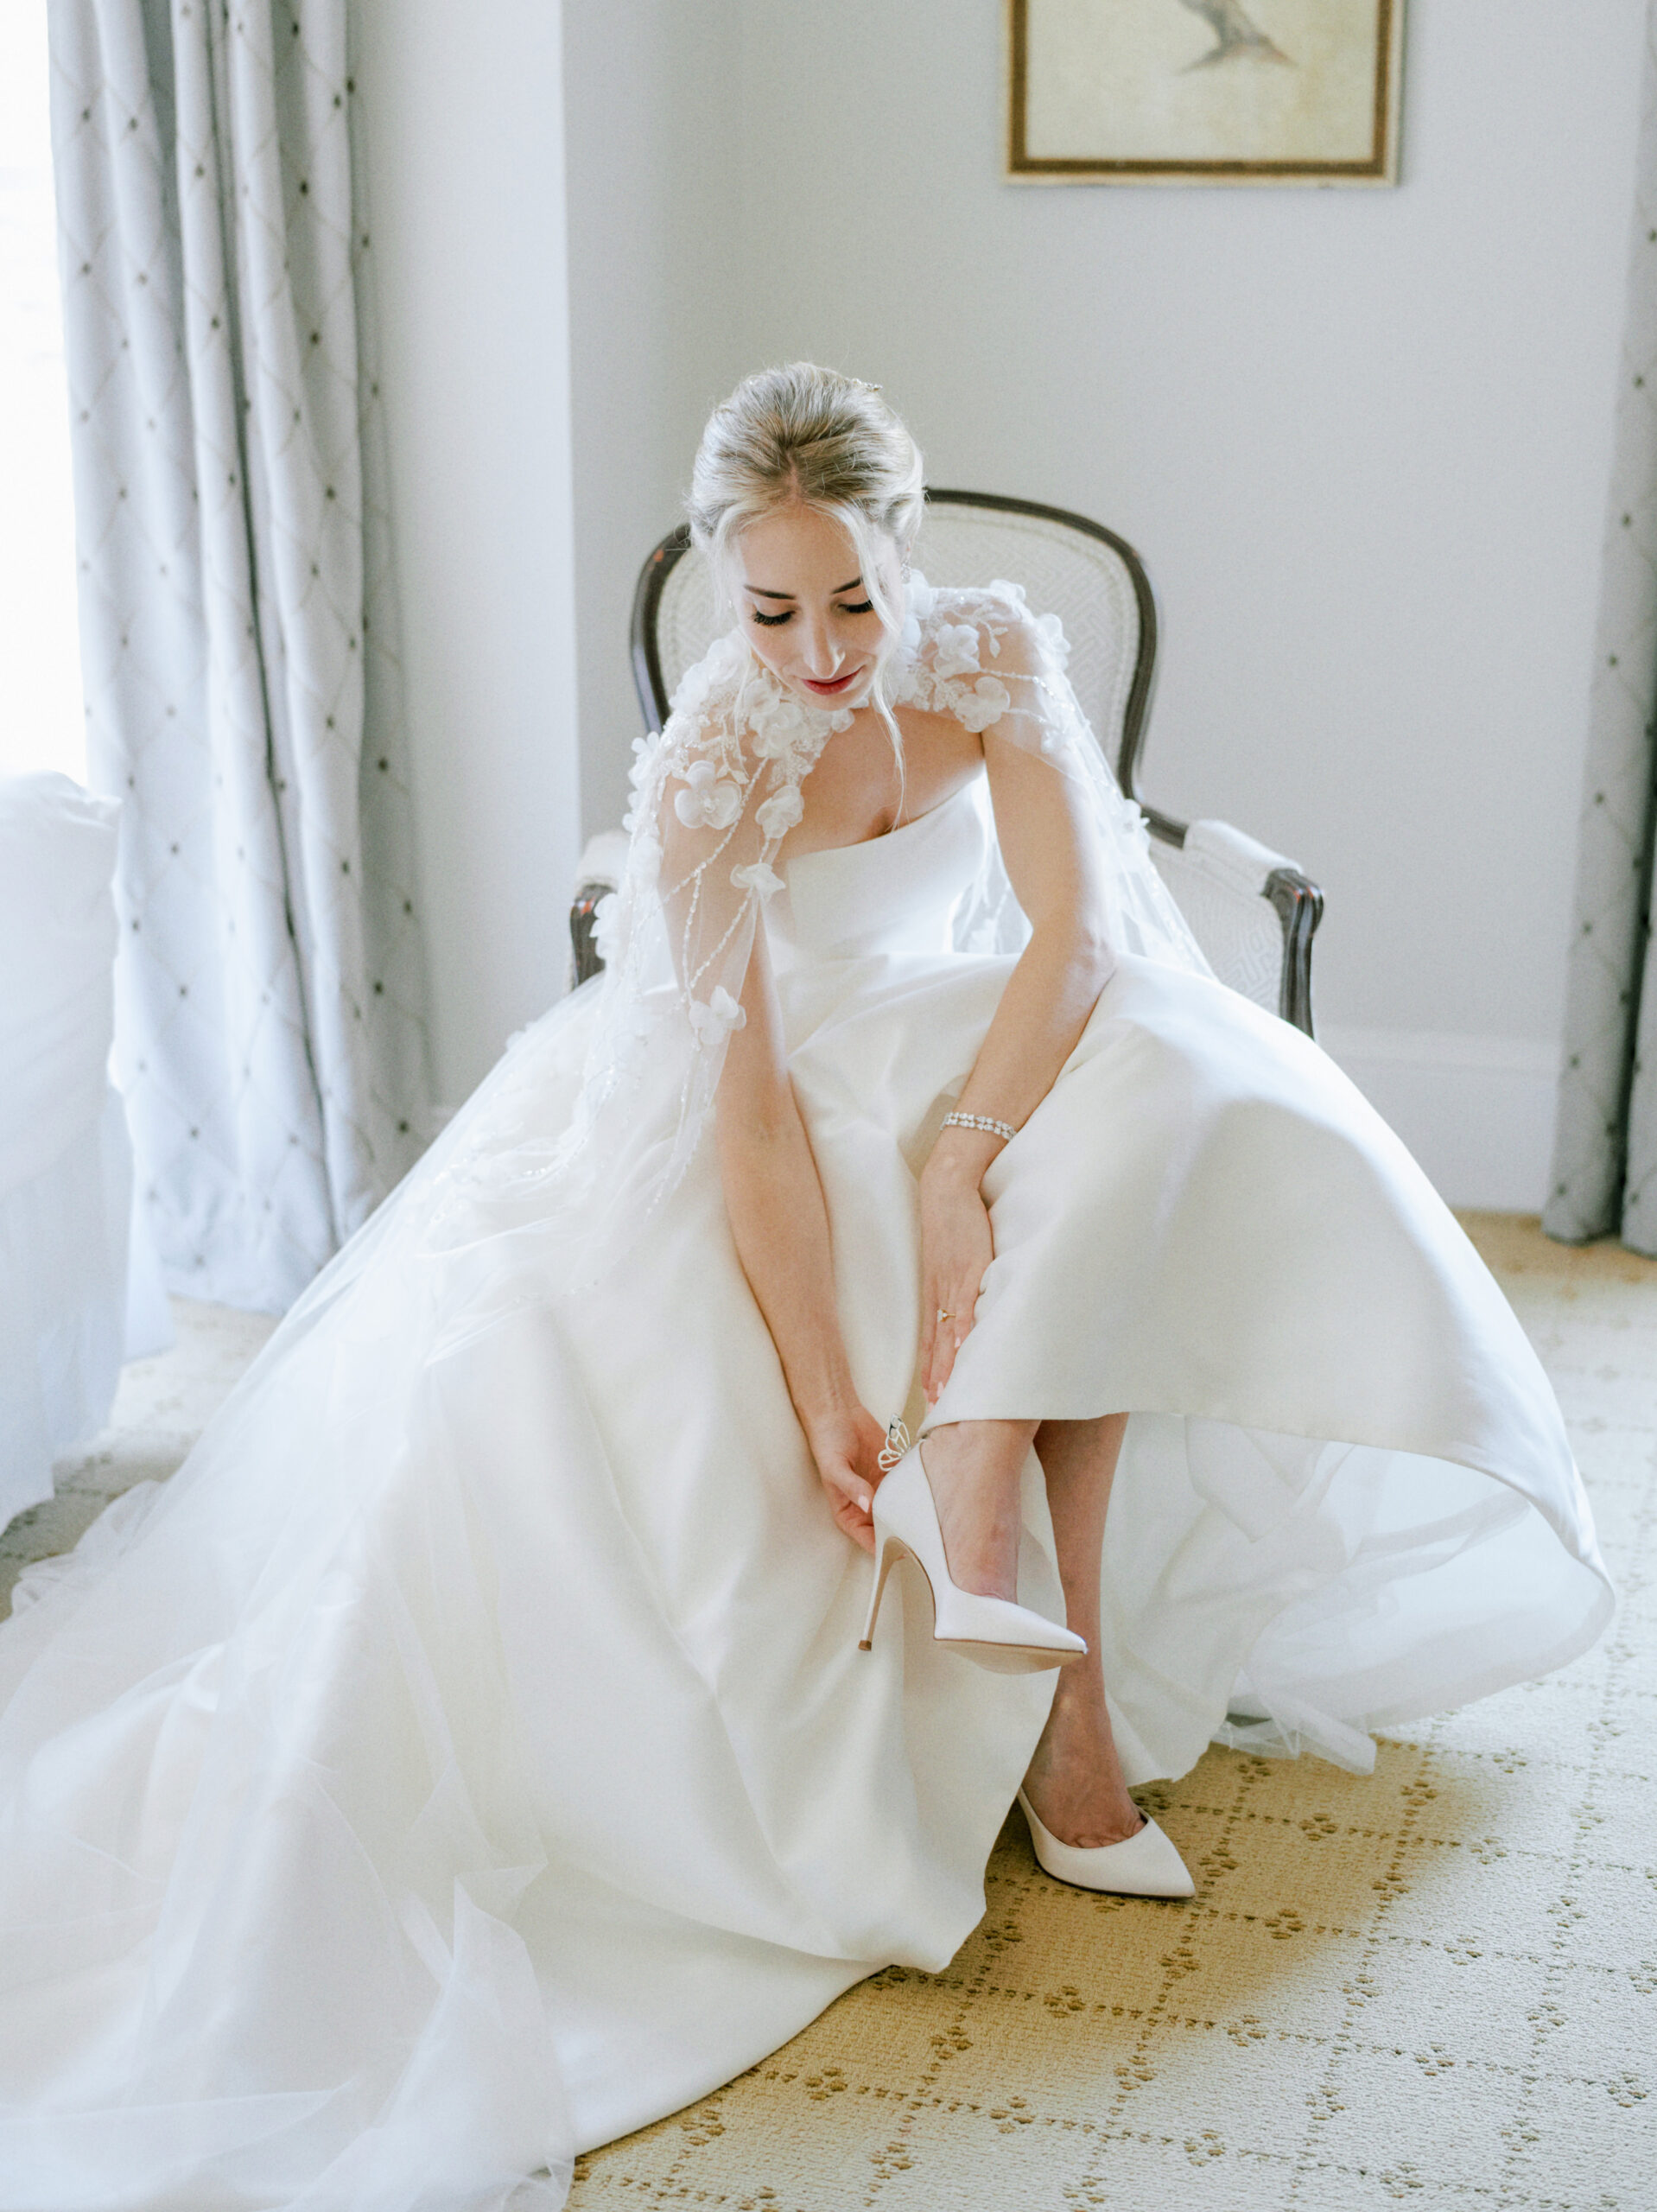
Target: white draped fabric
[(66, 1168), (238, 646), (1606, 1156)]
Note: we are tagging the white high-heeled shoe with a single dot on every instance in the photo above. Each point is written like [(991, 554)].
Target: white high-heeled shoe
[(1142, 1865), (994, 1632)]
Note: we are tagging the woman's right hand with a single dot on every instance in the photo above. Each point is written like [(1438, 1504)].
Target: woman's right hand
[(847, 1447)]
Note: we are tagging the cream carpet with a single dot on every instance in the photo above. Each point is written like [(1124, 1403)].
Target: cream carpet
[(1434, 1986)]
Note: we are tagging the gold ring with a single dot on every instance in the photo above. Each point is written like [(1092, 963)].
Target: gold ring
[(943, 1314)]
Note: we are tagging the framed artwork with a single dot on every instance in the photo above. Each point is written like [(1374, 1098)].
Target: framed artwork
[(1204, 91)]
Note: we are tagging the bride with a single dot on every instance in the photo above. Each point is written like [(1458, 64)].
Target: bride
[(497, 1734)]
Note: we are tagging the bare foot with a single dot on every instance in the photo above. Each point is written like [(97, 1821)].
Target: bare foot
[(973, 1478), (1075, 1782)]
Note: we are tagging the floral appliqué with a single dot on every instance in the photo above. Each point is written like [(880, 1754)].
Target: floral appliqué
[(955, 650), (757, 877), (986, 703), (712, 1020), (709, 801), (777, 814), (606, 927)]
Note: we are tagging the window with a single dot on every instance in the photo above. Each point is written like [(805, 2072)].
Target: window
[(41, 716)]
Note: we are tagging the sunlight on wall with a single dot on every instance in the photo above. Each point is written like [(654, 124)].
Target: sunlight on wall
[(42, 719)]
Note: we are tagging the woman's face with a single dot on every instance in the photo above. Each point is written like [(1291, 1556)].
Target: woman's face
[(805, 605)]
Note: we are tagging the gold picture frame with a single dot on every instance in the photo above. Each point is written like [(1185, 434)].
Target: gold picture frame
[(1204, 91)]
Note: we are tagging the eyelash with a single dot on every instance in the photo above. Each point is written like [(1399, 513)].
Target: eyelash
[(775, 621)]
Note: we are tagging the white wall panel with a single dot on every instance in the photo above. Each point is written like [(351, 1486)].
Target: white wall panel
[(463, 132)]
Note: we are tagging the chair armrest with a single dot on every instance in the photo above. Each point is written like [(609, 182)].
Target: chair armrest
[(1216, 873), (1230, 855), (598, 872)]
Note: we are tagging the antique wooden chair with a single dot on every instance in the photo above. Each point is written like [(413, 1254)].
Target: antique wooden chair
[(1252, 912)]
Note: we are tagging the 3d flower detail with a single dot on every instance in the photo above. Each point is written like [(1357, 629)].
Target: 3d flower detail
[(957, 650), (647, 853), (698, 682), (758, 878), (711, 1023), (606, 922), (986, 702), (784, 728), (777, 814), (709, 801), (777, 728), (1051, 630)]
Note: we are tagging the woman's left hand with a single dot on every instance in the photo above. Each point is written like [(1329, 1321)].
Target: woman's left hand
[(956, 1247)]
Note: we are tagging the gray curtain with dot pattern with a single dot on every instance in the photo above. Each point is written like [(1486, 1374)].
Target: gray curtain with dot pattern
[(1605, 1157), (238, 633)]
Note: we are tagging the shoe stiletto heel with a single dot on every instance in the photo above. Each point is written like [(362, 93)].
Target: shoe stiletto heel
[(992, 1632), (1142, 1865)]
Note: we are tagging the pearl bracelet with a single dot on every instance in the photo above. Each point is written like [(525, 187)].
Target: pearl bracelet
[(985, 1121)]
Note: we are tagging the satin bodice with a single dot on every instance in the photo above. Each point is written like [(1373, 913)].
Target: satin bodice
[(891, 894)]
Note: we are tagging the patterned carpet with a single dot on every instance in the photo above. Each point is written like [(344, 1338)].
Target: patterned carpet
[(1434, 1986)]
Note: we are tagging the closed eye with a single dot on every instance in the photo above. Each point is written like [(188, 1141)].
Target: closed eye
[(776, 621)]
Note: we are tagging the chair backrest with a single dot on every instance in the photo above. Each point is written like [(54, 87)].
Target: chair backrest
[(1090, 578), (1253, 913)]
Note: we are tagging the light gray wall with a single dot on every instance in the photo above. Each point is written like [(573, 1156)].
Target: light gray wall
[(1362, 437), (656, 274), (462, 116)]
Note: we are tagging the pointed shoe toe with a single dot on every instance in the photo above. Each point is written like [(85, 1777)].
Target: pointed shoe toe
[(1144, 1865)]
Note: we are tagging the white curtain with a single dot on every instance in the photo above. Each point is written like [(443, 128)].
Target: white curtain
[(1605, 1159), (237, 632)]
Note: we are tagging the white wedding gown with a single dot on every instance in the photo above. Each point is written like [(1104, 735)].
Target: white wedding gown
[(467, 1757)]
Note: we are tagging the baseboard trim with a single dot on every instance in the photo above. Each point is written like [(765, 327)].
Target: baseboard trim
[(1477, 1112)]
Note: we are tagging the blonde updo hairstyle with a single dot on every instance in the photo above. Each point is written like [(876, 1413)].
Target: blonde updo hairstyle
[(809, 436)]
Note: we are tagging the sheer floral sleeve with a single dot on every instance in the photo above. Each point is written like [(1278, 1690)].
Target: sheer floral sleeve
[(984, 657), (714, 797)]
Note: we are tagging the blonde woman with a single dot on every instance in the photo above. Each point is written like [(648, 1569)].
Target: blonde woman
[(549, 1683)]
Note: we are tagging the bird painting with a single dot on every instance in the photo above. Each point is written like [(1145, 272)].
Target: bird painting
[(1235, 37)]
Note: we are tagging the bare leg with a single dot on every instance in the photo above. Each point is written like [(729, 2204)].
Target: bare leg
[(973, 1468), (1075, 1780)]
